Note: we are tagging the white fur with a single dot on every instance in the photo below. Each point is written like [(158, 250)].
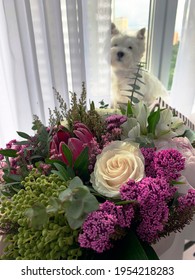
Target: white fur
[(126, 53)]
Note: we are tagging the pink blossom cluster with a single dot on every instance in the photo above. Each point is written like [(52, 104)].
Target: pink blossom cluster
[(100, 227), (164, 163), (15, 163)]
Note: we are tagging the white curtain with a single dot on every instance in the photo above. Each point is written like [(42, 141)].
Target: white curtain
[(183, 88), (46, 44)]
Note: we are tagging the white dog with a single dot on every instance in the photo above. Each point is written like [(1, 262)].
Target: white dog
[(126, 54)]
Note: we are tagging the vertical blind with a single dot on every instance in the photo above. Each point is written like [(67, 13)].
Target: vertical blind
[(48, 44)]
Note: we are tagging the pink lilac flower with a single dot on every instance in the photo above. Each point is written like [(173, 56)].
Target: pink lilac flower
[(169, 164), (94, 150), (115, 121), (154, 216), (149, 154), (152, 196), (166, 163), (187, 201), (97, 230), (101, 226), (113, 130), (124, 214), (21, 159)]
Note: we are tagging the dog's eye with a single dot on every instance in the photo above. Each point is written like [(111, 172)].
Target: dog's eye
[(115, 45), (130, 47)]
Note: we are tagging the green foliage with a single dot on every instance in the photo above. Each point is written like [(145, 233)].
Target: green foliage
[(135, 88), (153, 120), (8, 153), (103, 105), (32, 231), (75, 202)]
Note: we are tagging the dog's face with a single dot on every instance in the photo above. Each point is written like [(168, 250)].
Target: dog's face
[(126, 51)]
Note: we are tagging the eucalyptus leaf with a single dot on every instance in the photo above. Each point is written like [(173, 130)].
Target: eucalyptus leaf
[(90, 203), (75, 209), (66, 195), (37, 215), (54, 205), (75, 182), (75, 223), (134, 86)]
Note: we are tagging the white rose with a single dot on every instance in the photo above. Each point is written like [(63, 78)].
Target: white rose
[(118, 162)]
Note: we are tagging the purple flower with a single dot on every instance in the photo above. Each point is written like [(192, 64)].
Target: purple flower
[(123, 214), (152, 196), (102, 226), (115, 121), (187, 201), (169, 164), (149, 154), (97, 231)]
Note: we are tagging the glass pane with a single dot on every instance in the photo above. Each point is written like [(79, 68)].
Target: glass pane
[(131, 15), (176, 40)]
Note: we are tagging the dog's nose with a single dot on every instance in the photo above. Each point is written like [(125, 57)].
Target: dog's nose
[(120, 54)]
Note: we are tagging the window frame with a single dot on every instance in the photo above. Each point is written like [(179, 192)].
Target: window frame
[(162, 26)]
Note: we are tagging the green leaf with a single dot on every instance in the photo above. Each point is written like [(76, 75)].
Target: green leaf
[(81, 164), (22, 142), (8, 153), (66, 195), (153, 120), (62, 171), (90, 203), (137, 75), (37, 215), (75, 209), (129, 111), (75, 183), (134, 86), (24, 135), (10, 178), (134, 99), (60, 175), (54, 205), (68, 153), (52, 161), (75, 223)]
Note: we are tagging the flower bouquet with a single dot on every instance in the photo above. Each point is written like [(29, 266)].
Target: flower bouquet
[(96, 184)]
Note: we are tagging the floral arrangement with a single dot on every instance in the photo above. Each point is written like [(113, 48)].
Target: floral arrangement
[(96, 184)]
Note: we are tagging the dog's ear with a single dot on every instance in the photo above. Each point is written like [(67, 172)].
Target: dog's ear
[(114, 30), (141, 33)]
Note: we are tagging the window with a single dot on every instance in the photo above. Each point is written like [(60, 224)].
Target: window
[(130, 16), (163, 21)]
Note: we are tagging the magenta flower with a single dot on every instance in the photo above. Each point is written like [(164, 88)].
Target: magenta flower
[(61, 136), (78, 143)]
